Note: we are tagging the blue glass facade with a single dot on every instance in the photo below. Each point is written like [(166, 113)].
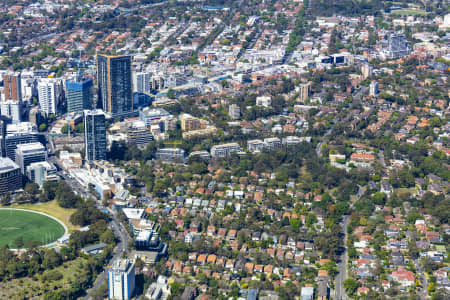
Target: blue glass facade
[(79, 95)]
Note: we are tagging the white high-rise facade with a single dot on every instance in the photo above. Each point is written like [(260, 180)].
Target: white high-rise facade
[(12, 109), (121, 280), (142, 81), (373, 88), (47, 93)]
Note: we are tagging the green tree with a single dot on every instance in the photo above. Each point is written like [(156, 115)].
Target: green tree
[(42, 127), (295, 224), (5, 199), (65, 129), (107, 237), (79, 128), (51, 259), (32, 189), (19, 242), (351, 285), (175, 288), (310, 219), (171, 94)]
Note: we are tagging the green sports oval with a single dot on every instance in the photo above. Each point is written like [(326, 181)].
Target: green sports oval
[(31, 226)]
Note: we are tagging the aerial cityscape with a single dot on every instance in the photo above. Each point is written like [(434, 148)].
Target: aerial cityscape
[(220, 149)]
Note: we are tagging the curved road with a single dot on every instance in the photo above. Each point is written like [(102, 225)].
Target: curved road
[(117, 228), (119, 250)]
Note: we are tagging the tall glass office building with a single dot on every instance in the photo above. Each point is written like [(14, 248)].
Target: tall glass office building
[(95, 134), (115, 84), (79, 94)]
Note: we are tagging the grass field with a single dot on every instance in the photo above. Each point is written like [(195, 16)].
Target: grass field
[(409, 12), (29, 226), (51, 208)]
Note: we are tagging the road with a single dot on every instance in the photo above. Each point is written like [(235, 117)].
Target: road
[(423, 280), (360, 93), (120, 249), (319, 145), (381, 159), (359, 194), (339, 292), (117, 228)]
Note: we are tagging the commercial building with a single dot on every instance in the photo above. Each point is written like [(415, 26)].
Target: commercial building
[(146, 238), (210, 130), (159, 289), (95, 134), (121, 280), (292, 140), (139, 134), (158, 120), (12, 86), (225, 149), (255, 146), (272, 143), (79, 94), (323, 290), (151, 115), (115, 84), (27, 154), (366, 70), (10, 176), (304, 91), (3, 125), (17, 134), (373, 88), (157, 83), (142, 82), (35, 116), (40, 172), (48, 93), (103, 185), (12, 109), (189, 122), (268, 144), (264, 101), (170, 154), (234, 111), (307, 293), (202, 154), (396, 46)]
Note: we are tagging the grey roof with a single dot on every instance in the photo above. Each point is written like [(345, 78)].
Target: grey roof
[(6, 165), (95, 247)]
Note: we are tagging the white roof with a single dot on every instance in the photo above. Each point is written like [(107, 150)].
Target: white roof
[(6, 165), (31, 147), (21, 128), (133, 213), (144, 235)]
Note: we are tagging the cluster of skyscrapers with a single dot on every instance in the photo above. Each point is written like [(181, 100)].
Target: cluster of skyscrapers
[(22, 155), (114, 90)]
